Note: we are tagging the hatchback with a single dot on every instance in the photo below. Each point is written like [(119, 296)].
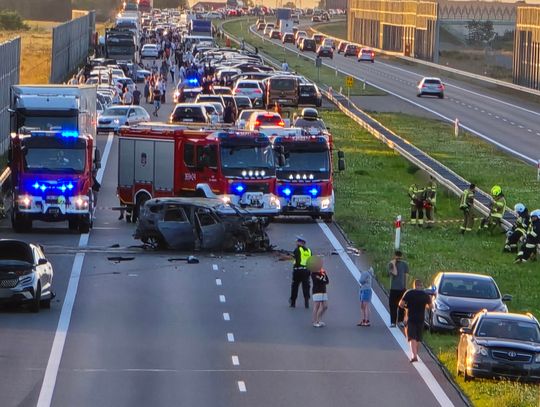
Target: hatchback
[(430, 87)]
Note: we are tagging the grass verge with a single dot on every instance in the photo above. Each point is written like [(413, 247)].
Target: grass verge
[(304, 66), (373, 190), (337, 29)]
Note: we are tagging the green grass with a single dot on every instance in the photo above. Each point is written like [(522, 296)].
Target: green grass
[(337, 29), (373, 190), (304, 66)]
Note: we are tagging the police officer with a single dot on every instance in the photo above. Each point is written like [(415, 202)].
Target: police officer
[(531, 239), (430, 200), (519, 229), (496, 212), (416, 194), (467, 205), (301, 274)]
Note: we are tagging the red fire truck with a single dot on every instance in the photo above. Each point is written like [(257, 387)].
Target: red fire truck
[(162, 160)]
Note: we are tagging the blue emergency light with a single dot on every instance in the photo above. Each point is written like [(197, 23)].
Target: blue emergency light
[(287, 191), (193, 81), (63, 187), (314, 192), (238, 188), (69, 133)]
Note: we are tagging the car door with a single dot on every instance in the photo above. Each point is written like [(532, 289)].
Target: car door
[(132, 117), (45, 271), (211, 230), (176, 228)]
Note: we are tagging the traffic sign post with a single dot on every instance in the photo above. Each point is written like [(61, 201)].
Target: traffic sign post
[(318, 64), (397, 240), (349, 83)]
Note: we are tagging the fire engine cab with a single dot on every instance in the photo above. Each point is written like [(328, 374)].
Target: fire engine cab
[(163, 160)]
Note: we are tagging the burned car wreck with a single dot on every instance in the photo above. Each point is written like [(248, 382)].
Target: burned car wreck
[(200, 224)]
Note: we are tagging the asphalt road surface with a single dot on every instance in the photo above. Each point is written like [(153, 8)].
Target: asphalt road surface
[(508, 121), (151, 331)]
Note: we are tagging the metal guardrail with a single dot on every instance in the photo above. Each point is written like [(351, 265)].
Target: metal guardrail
[(433, 65), (444, 175)]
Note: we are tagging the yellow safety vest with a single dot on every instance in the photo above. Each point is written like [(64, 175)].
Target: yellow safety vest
[(305, 254)]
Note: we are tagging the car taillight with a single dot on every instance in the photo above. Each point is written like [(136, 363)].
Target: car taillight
[(372, 55), (237, 91), (257, 123), (281, 123), (258, 91), (441, 87)]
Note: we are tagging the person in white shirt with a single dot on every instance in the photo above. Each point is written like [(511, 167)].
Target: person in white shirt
[(128, 97), (285, 66)]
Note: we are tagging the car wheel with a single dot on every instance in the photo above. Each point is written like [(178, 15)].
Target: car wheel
[(154, 242), (36, 302), (372, 61), (327, 218), (418, 94), (46, 304)]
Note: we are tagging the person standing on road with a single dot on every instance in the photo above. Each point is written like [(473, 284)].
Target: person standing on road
[(136, 96), (285, 66), (173, 70), (366, 291), (467, 206), (300, 272), (128, 97), (147, 90), (415, 302), (157, 99), (320, 297), (398, 270)]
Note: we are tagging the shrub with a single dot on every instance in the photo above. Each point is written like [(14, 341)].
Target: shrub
[(11, 20)]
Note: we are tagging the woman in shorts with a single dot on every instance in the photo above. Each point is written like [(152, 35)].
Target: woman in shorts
[(366, 291), (320, 297)]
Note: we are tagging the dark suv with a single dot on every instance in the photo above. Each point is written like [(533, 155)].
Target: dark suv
[(308, 44), (498, 345)]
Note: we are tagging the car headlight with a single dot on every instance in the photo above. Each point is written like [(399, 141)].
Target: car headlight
[(226, 199), (80, 202), (116, 121), (325, 203), (479, 349), (274, 202), (441, 306), (25, 201), (503, 308)]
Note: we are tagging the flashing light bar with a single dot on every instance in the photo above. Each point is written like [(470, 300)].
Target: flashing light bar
[(61, 187), (63, 133)]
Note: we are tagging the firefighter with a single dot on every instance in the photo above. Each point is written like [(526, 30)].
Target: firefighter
[(528, 248), (301, 274), (417, 205), (430, 200), (519, 229), (496, 212), (467, 206)]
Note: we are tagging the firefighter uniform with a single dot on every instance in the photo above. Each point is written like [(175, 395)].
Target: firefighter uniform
[(497, 209), (417, 204), (301, 274), (532, 238), (466, 205), (430, 201), (519, 229)]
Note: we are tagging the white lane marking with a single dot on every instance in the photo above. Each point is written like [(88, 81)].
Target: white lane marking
[(226, 316), (235, 360), (529, 130), (521, 126), (242, 386), (497, 117), (424, 372), (512, 123), (230, 337), (133, 275), (53, 364), (310, 371), (215, 267), (221, 298), (218, 281)]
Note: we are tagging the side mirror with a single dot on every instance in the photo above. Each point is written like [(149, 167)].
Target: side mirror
[(341, 161), (42, 262), (506, 297), (465, 330), (97, 159)]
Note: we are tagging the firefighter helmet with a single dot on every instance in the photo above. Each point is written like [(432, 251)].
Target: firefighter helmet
[(519, 208), (536, 213), (496, 190)]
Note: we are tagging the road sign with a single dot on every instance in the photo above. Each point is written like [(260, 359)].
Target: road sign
[(349, 82)]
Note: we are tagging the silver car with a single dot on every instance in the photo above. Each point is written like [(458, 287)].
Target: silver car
[(458, 297), (25, 275), (431, 87), (117, 116), (248, 87)]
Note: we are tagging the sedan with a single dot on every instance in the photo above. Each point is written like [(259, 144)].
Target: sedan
[(351, 50), (500, 345), (324, 51), (341, 47), (149, 51), (117, 116), (25, 275), (287, 38), (275, 35), (458, 297), (430, 87), (366, 54), (250, 88)]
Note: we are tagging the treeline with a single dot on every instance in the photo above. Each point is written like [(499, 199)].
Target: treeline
[(47, 10)]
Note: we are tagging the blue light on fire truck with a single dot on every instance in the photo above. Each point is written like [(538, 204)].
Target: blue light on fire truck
[(287, 191), (69, 133), (239, 188), (62, 187), (314, 191)]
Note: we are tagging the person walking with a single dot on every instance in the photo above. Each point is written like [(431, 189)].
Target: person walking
[(300, 272), (366, 291), (417, 205), (398, 270), (147, 90), (320, 280), (415, 302), (157, 99), (127, 99), (467, 206), (172, 70)]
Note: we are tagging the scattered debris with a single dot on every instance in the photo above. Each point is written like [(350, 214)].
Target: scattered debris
[(189, 259), (118, 259)]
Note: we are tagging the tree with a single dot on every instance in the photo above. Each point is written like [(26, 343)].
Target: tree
[(289, 4), (167, 3)]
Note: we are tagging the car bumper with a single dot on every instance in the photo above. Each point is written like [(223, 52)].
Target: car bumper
[(107, 128), (487, 368), (24, 290), (322, 206)]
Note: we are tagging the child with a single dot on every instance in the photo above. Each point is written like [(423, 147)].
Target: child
[(366, 291)]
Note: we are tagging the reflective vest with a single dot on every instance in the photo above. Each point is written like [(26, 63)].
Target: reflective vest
[(498, 207), (416, 194), (305, 254), (431, 193), (467, 199)]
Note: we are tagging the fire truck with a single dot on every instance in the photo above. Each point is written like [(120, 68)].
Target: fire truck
[(52, 155), (162, 160), (304, 183)]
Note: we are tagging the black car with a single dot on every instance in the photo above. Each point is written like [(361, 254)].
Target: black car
[(351, 50), (308, 44), (324, 51), (500, 345), (200, 224), (309, 94)]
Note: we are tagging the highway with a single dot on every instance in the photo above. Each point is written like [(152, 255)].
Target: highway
[(508, 121), (151, 331)]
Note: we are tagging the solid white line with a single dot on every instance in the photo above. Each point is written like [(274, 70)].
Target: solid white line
[(235, 360), (221, 298), (242, 387), (226, 316), (218, 281), (230, 337), (215, 267), (57, 349), (424, 372)]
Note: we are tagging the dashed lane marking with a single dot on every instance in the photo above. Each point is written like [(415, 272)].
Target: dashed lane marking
[(242, 386), (222, 298), (226, 316), (235, 360), (218, 281), (215, 267), (230, 337)]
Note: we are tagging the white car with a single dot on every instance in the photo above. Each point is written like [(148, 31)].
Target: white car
[(366, 54), (117, 116), (212, 15), (430, 86), (250, 88), (149, 51)]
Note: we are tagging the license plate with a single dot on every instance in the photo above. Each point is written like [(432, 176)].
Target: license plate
[(302, 201), (54, 211), (304, 95), (283, 100)]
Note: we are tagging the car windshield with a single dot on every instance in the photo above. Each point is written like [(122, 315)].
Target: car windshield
[(247, 156), (45, 120), (191, 114), (314, 160), (432, 81), (469, 288), (283, 84), (54, 154), (508, 329), (115, 111)]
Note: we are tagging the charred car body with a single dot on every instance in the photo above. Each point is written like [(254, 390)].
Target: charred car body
[(200, 224)]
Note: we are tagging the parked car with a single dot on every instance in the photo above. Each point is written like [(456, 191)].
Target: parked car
[(309, 94), (186, 95), (351, 50), (430, 87), (308, 44), (25, 275), (500, 345), (309, 120), (261, 26), (329, 42), (149, 51), (243, 102), (298, 36), (316, 19), (287, 38), (366, 54), (116, 116), (458, 297), (199, 223), (268, 29), (341, 47), (324, 51)]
